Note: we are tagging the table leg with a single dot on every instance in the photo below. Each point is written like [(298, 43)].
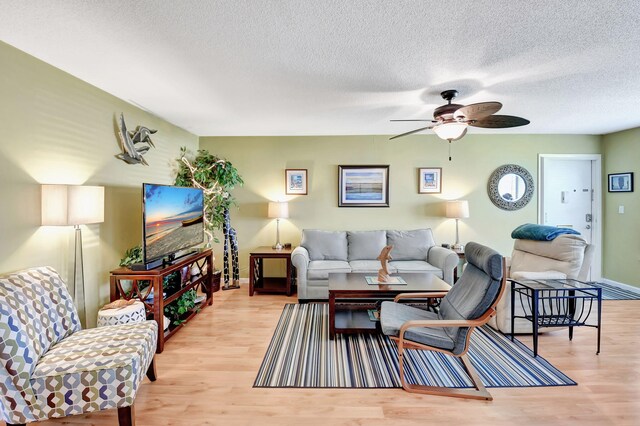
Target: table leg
[(572, 311), (534, 310), (513, 308), (252, 277), (332, 315), (599, 317)]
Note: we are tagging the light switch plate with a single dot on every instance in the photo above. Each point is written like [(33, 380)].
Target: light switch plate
[(621, 209)]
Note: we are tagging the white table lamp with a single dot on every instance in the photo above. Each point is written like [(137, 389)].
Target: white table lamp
[(74, 205), (278, 210), (457, 209)]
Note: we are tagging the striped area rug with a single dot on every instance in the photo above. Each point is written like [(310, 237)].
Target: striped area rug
[(302, 356), (613, 292)]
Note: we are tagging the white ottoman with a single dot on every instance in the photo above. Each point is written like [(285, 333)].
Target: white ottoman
[(129, 314)]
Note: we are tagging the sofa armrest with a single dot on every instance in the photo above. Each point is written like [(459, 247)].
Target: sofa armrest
[(444, 259), (300, 259)]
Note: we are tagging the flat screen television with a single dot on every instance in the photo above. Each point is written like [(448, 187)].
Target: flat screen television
[(173, 220)]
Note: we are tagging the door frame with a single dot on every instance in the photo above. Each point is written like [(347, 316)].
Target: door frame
[(596, 185)]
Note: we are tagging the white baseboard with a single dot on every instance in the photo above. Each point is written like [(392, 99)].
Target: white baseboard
[(621, 285)]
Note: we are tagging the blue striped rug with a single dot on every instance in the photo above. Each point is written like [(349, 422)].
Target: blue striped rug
[(613, 292), (302, 356)]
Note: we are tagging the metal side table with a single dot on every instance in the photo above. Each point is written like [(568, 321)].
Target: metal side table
[(555, 303)]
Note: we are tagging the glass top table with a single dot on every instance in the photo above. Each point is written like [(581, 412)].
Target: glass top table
[(555, 303)]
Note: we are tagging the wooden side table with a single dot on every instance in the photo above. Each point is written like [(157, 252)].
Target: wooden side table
[(257, 280), (461, 261)]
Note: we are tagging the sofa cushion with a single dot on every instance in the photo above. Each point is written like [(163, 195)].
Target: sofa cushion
[(325, 245), (408, 266), (320, 269), (410, 245), (372, 266), (366, 245)]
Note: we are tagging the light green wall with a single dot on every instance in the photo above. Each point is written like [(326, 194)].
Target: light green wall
[(262, 162), (622, 230), (55, 128)]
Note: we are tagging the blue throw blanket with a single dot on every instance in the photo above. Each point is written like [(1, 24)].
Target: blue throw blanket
[(530, 231)]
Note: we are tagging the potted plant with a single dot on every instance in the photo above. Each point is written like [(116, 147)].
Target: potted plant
[(216, 177)]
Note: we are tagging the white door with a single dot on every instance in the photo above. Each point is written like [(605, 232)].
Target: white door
[(570, 197), (568, 194)]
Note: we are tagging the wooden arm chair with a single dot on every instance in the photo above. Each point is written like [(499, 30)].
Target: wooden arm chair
[(49, 367), (470, 303)]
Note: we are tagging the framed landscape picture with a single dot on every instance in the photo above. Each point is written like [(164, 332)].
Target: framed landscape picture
[(621, 182), (363, 186), (430, 180), (296, 181)]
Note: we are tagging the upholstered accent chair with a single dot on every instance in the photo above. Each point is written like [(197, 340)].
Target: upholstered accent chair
[(49, 367), (566, 256), (469, 304)]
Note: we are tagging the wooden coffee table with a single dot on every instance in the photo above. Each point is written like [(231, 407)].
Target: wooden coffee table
[(347, 312)]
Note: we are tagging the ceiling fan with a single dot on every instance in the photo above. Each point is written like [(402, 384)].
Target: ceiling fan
[(450, 121)]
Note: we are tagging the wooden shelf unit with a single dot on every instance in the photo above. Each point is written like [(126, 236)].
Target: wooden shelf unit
[(143, 282)]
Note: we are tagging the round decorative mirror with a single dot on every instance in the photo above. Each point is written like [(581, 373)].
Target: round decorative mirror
[(510, 187)]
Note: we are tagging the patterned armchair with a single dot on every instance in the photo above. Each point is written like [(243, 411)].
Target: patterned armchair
[(49, 367)]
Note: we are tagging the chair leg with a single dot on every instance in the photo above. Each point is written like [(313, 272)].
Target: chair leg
[(480, 392), (151, 371), (126, 416)]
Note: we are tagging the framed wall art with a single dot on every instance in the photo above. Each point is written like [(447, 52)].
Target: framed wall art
[(621, 182), (430, 180), (296, 181), (363, 186)]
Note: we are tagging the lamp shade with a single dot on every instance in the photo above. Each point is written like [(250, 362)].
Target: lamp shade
[(451, 131), (64, 205), (457, 209), (278, 210)]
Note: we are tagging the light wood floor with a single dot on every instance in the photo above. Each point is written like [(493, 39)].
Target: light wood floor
[(206, 373)]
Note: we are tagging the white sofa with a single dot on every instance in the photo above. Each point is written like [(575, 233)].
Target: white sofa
[(323, 252), (567, 256)]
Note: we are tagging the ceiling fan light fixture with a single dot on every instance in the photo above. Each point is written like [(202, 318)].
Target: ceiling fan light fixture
[(451, 131)]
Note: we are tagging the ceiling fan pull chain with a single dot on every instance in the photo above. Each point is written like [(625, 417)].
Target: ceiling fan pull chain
[(449, 149)]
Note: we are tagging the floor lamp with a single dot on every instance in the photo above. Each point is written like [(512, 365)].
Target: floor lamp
[(74, 205), (277, 211), (457, 209)]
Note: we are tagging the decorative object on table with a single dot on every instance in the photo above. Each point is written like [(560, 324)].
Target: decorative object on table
[(510, 187), (363, 186), (621, 182), (430, 180), (375, 280), (457, 209), (278, 210), (450, 121), (74, 205), (132, 154), (126, 312), (385, 256), (217, 178), (296, 181)]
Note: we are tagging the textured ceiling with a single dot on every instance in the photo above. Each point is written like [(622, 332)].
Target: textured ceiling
[(296, 67)]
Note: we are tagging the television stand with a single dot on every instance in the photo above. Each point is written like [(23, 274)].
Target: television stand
[(144, 281)]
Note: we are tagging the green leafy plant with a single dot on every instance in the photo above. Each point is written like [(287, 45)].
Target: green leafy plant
[(216, 177), (131, 256), (175, 310)]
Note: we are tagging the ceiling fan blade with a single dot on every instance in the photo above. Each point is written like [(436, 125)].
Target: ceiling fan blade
[(431, 121), (411, 132), (500, 121), (477, 111)]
